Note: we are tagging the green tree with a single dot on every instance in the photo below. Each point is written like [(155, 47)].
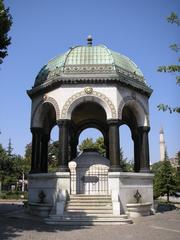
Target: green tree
[(174, 68), (4, 164), (165, 179), (178, 172), (5, 25), (10, 148), (9, 168), (53, 152), (99, 144), (13, 167), (87, 144), (28, 152), (178, 157)]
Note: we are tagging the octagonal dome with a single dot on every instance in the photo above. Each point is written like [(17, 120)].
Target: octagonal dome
[(89, 61)]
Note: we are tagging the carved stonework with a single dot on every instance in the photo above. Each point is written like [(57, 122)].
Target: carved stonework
[(133, 95), (88, 90), (90, 68), (46, 99), (82, 94), (129, 74), (55, 105), (134, 99)]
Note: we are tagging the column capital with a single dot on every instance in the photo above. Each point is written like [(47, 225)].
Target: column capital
[(36, 129), (113, 122), (63, 122), (144, 128)]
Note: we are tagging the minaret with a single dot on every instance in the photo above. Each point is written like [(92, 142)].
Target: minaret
[(162, 144)]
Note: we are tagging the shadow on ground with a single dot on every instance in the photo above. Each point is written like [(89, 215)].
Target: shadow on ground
[(164, 207), (13, 221)]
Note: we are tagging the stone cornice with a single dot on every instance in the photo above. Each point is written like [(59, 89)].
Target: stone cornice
[(57, 82)]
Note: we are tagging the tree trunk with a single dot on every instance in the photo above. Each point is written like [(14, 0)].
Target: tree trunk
[(168, 196)]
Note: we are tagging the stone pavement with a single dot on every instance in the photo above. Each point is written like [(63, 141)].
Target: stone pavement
[(15, 224)]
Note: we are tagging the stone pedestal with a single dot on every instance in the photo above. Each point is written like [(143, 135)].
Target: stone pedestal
[(39, 209), (51, 184), (125, 185)]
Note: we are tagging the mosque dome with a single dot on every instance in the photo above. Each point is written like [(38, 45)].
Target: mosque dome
[(89, 62)]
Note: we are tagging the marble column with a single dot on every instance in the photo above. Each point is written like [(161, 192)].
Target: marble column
[(36, 149), (44, 152), (74, 144), (136, 152), (106, 143), (63, 144), (144, 148), (114, 147)]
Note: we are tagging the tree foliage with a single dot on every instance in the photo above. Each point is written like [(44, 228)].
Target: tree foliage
[(86, 144), (5, 25), (53, 152), (12, 166), (174, 68), (165, 178)]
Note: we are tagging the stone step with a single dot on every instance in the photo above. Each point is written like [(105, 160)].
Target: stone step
[(86, 211), (88, 221), (89, 204), (90, 200), (89, 210), (90, 197), (89, 207), (99, 215)]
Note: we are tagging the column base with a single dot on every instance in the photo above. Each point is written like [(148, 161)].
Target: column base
[(144, 170), (35, 171), (63, 169), (115, 168)]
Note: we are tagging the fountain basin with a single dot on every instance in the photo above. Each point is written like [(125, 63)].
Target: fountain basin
[(138, 209), (40, 209)]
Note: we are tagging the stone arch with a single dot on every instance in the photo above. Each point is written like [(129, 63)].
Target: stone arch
[(138, 109), (36, 115), (83, 96)]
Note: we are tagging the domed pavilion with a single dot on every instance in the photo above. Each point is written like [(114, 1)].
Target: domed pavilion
[(90, 86)]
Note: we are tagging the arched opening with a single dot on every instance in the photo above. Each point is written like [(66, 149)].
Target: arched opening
[(87, 115), (91, 138), (89, 131), (127, 149), (136, 119), (88, 111), (53, 149), (45, 117), (129, 131), (92, 166), (48, 117)]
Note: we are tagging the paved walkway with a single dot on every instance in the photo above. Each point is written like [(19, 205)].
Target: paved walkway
[(14, 224)]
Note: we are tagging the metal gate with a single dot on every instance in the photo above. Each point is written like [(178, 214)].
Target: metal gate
[(92, 180)]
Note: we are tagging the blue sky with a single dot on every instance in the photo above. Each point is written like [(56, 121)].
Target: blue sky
[(44, 29)]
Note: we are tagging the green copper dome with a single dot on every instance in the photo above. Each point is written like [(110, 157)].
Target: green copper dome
[(89, 61)]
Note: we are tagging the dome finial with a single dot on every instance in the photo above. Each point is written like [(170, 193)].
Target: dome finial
[(89, 40)]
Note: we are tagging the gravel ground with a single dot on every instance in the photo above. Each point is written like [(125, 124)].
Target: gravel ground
[(14, 224)]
